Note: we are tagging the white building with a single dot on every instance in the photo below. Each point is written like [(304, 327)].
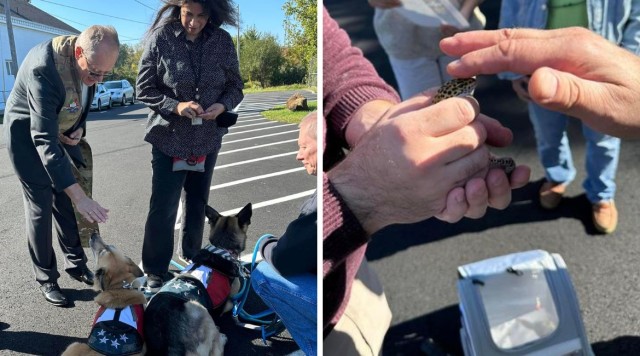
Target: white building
[(30, 27)]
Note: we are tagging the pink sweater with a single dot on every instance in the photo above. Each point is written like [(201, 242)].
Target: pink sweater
[(350, 81)]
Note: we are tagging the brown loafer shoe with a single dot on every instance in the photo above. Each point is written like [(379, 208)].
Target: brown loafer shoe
[(551, 194), (605, 216)]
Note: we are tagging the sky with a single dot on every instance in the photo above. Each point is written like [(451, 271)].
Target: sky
[(132, 18)]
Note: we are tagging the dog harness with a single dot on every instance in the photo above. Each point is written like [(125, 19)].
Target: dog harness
[(118, 331), (198, 282), (216, 283)]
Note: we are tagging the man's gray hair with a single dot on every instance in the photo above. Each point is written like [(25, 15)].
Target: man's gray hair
[(311, 123), (96, 35)]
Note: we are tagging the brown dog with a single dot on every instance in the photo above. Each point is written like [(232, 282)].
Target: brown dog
[(178, 319), (118, 324)]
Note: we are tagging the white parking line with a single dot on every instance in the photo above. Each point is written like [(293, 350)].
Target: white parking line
[(258, 146), (262, 129), (259, 106), (251, 179), (258, 124), (271, 202), (255, 160), (256, 137), (256, 205), (249, 114), (260, 118)]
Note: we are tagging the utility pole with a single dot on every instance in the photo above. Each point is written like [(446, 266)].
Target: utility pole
[(12, 44), (238, 35)]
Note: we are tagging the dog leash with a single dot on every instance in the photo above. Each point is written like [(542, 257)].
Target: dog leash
[(240, 298), (268, 321)]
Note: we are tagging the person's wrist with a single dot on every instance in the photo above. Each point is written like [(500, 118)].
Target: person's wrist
[(357, 195), (75, 193)]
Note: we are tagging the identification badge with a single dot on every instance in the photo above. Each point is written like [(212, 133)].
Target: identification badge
[(196, 121)]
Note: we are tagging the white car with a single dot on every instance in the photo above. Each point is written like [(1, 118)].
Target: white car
[(101, 99), (121, 91)]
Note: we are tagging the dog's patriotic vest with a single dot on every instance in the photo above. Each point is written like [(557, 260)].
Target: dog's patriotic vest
[(118, 331), (199, 283), (216, 283)]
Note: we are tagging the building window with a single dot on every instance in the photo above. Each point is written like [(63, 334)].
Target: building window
[(8, 67)]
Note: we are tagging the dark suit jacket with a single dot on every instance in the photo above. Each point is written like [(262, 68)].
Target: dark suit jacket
[(31, 121)]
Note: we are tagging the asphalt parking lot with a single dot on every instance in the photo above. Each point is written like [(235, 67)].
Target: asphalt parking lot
[(256, 164)]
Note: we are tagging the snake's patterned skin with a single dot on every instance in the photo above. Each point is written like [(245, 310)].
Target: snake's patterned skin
[(466, 86), (455, 87)]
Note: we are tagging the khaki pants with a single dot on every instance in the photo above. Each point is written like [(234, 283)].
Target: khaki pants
[(365, 321)]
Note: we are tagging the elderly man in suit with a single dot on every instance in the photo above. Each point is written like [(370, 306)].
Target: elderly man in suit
[(45, 127)]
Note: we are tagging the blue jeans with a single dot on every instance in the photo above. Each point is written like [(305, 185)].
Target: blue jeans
[(603, 152), (294, 299)]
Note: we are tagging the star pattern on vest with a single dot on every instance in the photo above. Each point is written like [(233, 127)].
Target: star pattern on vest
[(182, 287), (111, 341), (177, 285)]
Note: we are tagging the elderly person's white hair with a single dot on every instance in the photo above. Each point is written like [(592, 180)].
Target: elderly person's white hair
[(310, 122), (96, 35)]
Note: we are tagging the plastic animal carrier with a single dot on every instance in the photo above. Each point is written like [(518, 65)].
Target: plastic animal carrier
[(520, 304)]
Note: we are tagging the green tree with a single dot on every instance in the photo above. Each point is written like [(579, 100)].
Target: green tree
[(301, 30), (127, 65), (260, 56)]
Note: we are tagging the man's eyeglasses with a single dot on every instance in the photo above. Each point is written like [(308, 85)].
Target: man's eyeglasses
[(93, 74)]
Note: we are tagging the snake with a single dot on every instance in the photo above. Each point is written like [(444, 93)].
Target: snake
[(465, 87)]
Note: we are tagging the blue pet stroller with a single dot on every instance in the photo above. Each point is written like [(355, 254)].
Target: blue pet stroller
[(520, 304)]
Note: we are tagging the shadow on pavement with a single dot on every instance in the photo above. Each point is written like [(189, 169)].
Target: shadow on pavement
[(620, 346), (33, 343), (85, 295), (243, 341), (442, 326), (523, 209)]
